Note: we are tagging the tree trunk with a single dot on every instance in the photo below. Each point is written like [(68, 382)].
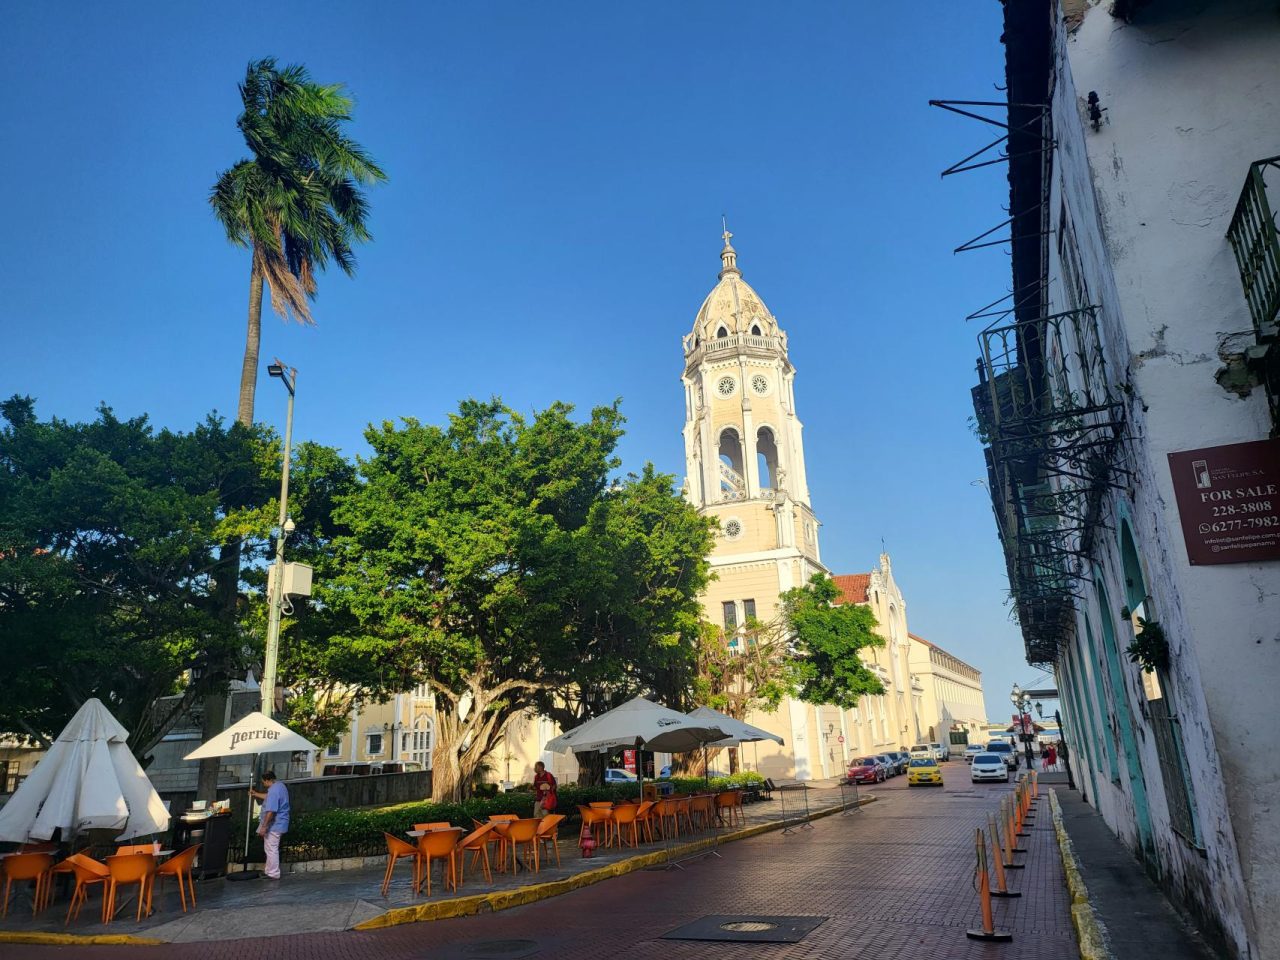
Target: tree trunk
[(591, 768), (446, 777), (252, 342), (215, 702), (733, 760)]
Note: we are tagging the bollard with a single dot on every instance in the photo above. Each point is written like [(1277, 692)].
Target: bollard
[(1019, 812), (988, 930), (1035, 785), (1010, 832), (1002, 886)]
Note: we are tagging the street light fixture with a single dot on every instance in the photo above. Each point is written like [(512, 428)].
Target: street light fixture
[(289, 377), (1022, 701)]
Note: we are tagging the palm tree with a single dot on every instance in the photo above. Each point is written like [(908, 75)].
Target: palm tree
[(297, 204)]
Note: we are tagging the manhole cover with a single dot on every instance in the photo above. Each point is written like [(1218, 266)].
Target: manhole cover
[(488, 950), (746, 929)]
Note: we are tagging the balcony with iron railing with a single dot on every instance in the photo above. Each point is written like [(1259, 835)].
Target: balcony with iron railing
[(1052, 422), (1254, 235), (735, 343)]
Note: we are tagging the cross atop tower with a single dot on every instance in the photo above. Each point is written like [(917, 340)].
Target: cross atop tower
[(728, 256)]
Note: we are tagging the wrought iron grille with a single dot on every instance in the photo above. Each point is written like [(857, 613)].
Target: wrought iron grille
[(1255, 239), (1046, 406), (1174, 771)]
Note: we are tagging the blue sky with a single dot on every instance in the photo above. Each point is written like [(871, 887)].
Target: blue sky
[(551, 225)]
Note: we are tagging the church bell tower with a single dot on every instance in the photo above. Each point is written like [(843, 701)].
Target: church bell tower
[(744, 450)]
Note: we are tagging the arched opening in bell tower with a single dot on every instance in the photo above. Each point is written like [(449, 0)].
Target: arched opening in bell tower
[(731, 470), (767, 458)]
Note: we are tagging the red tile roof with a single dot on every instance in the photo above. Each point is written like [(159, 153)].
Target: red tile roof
[(852, 587)]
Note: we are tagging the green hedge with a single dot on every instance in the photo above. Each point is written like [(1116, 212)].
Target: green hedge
[(324, 834)]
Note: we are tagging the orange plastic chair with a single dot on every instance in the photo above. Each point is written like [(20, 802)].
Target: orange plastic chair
[(127, 869), (701, 811), (624, 822), (644, 818), (88, 872), (179, 866), (726, 807), (438, 825), (477, 843), (549, 833), (523, 833), (398, 850), (593, 816), (438, 845), (668, 810), (24, 867)]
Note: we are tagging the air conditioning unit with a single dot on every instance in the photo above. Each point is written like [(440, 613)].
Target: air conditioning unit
[(297, 580)]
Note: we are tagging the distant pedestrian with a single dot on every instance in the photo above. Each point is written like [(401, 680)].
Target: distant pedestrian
[(1051, 757), (274, 820), (544, 790)]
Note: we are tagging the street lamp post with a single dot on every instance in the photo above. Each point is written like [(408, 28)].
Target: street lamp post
[(289, 377), (1022, 701)]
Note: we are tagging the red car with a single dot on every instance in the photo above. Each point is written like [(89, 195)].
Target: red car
[(866, 770)]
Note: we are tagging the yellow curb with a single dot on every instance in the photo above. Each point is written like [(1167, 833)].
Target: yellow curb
[(1090, 932), (506, 899), (77, 939)]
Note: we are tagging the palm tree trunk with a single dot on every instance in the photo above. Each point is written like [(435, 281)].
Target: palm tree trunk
[(228, 575), (252, 340)]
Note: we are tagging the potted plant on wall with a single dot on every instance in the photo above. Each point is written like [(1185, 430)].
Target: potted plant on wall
[(1150, 647)]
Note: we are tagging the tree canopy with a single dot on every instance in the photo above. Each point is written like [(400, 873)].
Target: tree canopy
[(493, 559), (108, 538), (826, 666)]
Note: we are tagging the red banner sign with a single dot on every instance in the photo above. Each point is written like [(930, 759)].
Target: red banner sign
[(629, 760), (1229, 501)]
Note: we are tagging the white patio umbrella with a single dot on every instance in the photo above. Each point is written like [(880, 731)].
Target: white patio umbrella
[(257, 733), (641, 724), (88, 780), (739, 731)]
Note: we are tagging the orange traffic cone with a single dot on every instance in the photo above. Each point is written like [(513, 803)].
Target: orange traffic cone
[(1010, 831), (988, 930)]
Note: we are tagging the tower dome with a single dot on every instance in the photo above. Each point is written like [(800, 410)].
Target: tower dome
[(732, 306)]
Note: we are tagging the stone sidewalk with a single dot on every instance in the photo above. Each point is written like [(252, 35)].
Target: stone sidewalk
[(335, 900), (891, 879), (1138, 921)]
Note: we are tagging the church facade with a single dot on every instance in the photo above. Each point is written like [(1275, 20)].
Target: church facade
[(745, 466)]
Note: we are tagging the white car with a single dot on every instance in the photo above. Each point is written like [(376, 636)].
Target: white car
[(940, 753), (988, 766), (618, 775), (972, 750), (921, 751)]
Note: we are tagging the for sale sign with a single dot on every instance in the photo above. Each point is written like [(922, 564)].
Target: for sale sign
[(1229, 501)]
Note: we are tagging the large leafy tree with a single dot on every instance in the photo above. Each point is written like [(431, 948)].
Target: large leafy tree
[(297, 203), (827, 640), (109, 539), (491, 557), (633, 629)]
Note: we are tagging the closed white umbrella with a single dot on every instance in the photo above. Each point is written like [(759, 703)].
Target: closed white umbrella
[(88, 780), (257, 733)]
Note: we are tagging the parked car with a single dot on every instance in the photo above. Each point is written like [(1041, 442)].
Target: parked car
[(921, 751), (866, 770), (988, 766), (890, 764), (1006, 751), (348, 769), (941, 751), (398, 766), (902, 758), (618, 775), (972, 750), (925, 771)]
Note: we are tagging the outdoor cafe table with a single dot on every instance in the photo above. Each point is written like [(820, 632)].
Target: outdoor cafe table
[(422, 833)]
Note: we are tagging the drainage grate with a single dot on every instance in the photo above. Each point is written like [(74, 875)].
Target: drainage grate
[(487, 950), (746, 929)]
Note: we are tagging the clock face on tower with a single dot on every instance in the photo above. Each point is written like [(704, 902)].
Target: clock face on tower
[(725, 386)]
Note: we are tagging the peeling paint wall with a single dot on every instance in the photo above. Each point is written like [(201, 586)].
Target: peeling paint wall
[(1191, 93)]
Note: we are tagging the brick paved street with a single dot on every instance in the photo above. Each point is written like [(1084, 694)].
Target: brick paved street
[(894, 879)]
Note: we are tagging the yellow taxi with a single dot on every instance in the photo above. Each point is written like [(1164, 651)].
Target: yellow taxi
[(924, 770)]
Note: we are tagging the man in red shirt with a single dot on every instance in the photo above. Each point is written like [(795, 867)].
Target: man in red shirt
[(544, 790)]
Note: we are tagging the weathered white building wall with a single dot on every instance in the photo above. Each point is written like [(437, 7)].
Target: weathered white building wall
[(1192, 97)]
